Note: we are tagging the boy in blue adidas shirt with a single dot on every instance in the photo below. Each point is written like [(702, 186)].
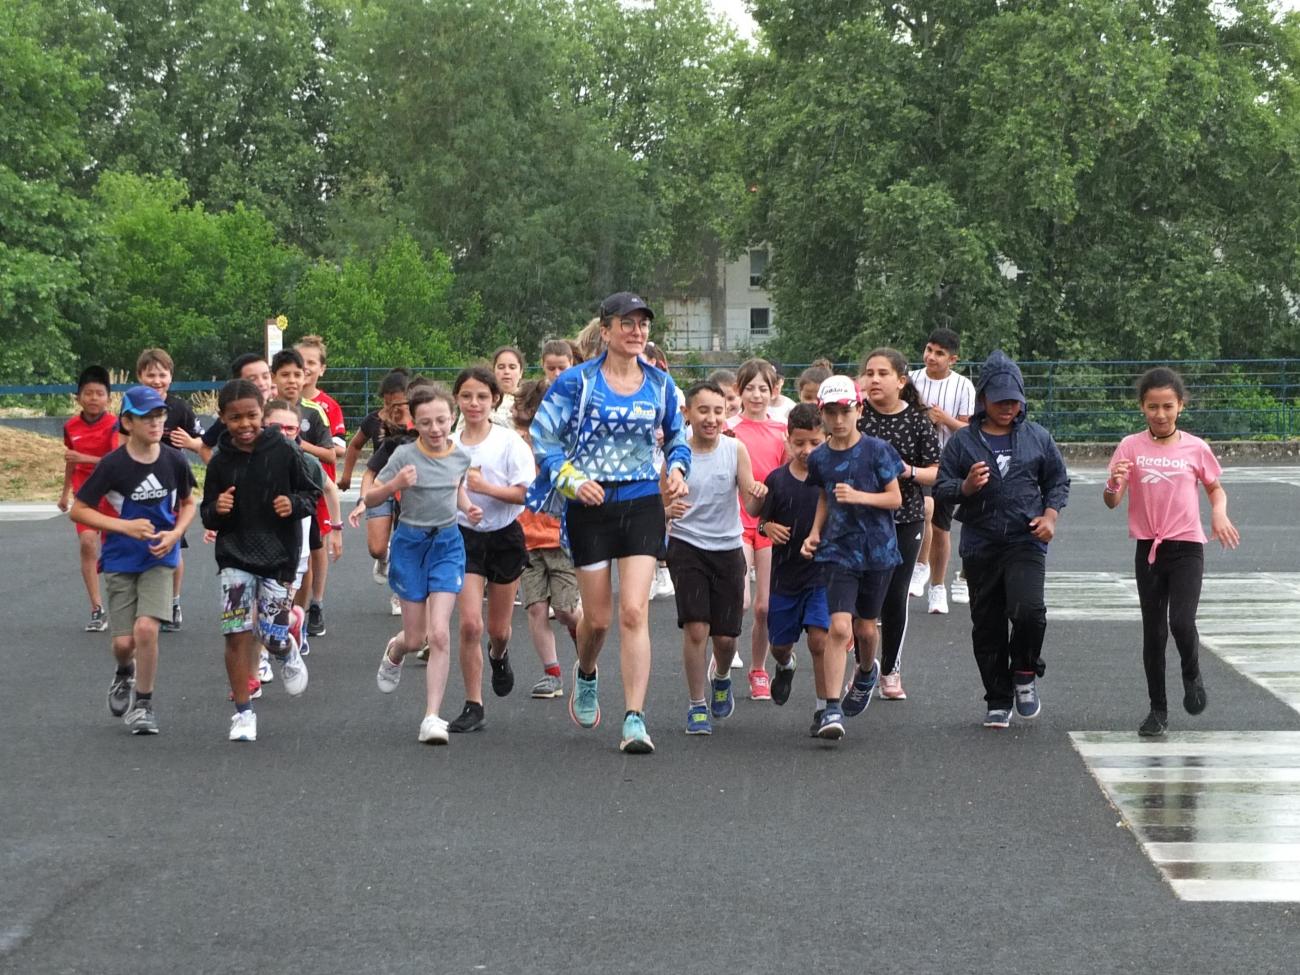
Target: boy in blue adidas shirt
[(853, 534), (149, 485)]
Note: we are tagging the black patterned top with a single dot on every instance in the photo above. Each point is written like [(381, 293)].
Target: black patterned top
[(912, 434)]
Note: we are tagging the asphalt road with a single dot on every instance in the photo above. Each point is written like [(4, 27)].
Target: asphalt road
[(336, 843)]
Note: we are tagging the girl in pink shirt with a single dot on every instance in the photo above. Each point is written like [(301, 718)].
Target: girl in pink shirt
[(1159, 470)]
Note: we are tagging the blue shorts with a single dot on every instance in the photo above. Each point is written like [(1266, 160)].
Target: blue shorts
[(789, 616), (859, 592), (425, 560)]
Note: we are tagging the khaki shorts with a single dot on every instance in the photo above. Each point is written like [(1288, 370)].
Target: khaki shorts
[(549, 576), (135, 594)]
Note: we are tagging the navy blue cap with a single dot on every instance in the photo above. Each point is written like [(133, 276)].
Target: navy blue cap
[(623, 303)]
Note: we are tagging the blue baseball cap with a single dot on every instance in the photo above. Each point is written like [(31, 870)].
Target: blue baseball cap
[(142, 400)]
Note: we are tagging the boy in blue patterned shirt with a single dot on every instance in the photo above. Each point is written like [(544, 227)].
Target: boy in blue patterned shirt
[(853, 535)]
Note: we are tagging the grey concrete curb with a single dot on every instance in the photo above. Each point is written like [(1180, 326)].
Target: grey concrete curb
[(1276, 451)]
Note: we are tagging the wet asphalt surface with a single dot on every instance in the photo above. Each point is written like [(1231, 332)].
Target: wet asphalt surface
[(337, 843)]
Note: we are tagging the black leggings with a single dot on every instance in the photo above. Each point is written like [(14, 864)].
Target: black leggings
[(1170, 592), (893, 612)]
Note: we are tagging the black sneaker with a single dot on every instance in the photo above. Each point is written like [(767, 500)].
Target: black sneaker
[(817, 724), (503, 675), (173, 624), (315, 620), (98, 621), (1194, 695), (121, 694), (141, 719), (1155, 725), (469, 719), (781, 681)]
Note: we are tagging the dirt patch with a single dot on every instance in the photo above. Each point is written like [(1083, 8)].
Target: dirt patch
[(31, 466)]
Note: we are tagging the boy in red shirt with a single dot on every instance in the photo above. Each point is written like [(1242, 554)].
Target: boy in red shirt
[(88, 436), (312, 350)]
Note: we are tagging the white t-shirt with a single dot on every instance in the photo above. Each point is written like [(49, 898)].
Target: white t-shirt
[(954, 394), (780, 410), (505, 460)]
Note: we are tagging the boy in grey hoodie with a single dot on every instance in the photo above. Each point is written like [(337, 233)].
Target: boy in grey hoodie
[(1009, 481)]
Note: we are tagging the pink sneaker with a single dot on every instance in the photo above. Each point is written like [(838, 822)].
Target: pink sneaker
[(891, 687), (760, 685)]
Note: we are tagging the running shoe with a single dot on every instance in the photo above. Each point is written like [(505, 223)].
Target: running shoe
[(315, 620), (737, 663), (663, 583), (470, 719), (697, 720), (816, 723), (264, 672), (379, 572), (831, 725), (394, 605), (636, 740), (548, 687), (722, 702), (960, 591), (296, 620), (782, 681), (1194, 699), (1155, 725), (390, 674), (920, 579), (98, 621), (891, 687), (121, 694), (997, 718), (584, 705), (503, 675), (938, 599), (423, 653), (254, 690), (243, 726), (857, 696), (141, 719), (1028, 704), (760, 686), (173, 624), (293, 671), (433, 730)]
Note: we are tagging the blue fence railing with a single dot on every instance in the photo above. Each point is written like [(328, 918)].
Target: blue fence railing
[(1229, 399)]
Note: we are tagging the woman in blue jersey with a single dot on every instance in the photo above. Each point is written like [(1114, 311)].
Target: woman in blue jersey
[(594, 437)]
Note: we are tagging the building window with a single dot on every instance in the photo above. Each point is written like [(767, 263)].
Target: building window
[(757, 266), (760, 321)]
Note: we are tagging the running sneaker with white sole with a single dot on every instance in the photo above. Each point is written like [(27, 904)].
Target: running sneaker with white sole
[(98, 621), (960, 591), (1155, 724), (997, 718), (722, 702), (548, 687), (636, 740), (938, 599), (379, 572), (1028, 703), (315, 620), (121, 694), (662, 584), (471, 718), (293, 672), (831, 725), (737, 663), (697, 720), (141, 720), (394, 605), (584, 704), (264, 672), (857, 696), (782, 681), (243, 726), (920, 579), (760, 686), (433, 731), (390, 674), (891, 687), (297, 630)]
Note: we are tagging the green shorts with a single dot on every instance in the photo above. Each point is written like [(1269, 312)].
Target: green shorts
[(549, 576), (132, 595)]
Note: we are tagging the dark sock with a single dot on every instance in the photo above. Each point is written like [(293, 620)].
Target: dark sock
[(142, 696), (125, 670), (586, 676), (832, 702), (629, 714), (246, 706)]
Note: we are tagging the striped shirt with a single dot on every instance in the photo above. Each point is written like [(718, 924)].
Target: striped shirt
[(954, 394)]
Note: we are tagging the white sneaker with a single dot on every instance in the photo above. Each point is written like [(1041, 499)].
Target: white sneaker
[(662, 584), (938, 599), (433, 730), (379, 571), (960, 591), (243, 726), (390, 674), (920, 579), (394, 605), (264, 672), (293, 671), (737, 663)]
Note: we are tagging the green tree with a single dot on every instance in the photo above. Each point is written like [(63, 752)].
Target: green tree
[(46, 277)]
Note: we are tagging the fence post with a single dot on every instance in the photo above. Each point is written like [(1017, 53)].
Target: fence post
[(1051, 398), (365, 375)]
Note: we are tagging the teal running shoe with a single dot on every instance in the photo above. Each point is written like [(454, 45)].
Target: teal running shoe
[(584, 705), (697, 721), (636, 740)]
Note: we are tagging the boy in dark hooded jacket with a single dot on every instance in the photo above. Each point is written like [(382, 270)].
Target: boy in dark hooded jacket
[(1009, 481)]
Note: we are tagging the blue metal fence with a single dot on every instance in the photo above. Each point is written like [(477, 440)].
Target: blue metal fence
[(1229, 399)]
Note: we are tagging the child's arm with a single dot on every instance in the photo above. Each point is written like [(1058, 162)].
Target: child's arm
[(1054, 481), (77, 457), (335, 538), (350, 459), (889, 499), (1221, 528), (66, 494), (381, 491), (303, 493), (753, 491), (509, 493), (325, 454), (168, 540), (141, 529), (472, 511), (814, 538), (218, 501), (367, 480)]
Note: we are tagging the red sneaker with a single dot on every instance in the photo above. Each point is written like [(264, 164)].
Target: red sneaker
[(760, 685), (254, 690)]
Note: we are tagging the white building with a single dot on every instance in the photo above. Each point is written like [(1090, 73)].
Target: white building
[(729, 311)]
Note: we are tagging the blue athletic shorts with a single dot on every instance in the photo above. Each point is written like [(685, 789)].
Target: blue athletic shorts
[(425, 560), (789, 616), (861, 593)]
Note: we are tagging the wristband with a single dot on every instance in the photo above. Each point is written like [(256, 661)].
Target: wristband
[(762, 528)]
